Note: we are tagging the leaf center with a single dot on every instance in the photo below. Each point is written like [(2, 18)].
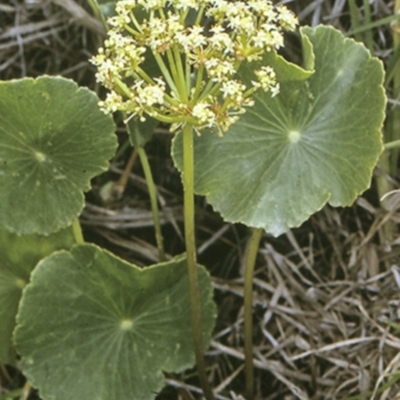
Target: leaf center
[(40, 156), (126, 324), (294, 136)]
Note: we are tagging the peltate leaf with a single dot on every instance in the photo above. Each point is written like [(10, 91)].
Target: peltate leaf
[(92, 326), (316, 142), (18, 256), (53, 140)]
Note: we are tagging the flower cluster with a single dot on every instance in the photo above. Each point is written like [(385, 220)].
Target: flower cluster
[(197, 62)]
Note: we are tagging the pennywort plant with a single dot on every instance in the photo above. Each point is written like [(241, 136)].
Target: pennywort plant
[(199, 86), (266, 141)]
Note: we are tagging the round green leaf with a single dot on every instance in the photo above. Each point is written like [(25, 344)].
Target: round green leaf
[(92, 326), (18, 256), (287, 156), (53, 140)]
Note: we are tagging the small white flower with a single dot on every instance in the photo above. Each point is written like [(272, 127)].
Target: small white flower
[(220, 40), (218, 9), (267, 80), (196, 38), (111, 103), (233, 90), (150, 95), (241, 31), (267, 39), (287, 19), (262, 8), (220, 70), (119, 21), (226, 122), (184, 5), (123, 7), (274, 89), (204, 114), (152, 4)]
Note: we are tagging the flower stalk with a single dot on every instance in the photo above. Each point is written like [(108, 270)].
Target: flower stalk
[(153, 202), (77, 231), (251, 255), (190, 242)]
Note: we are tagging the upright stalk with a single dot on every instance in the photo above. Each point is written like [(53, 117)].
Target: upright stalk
[(153, 201), (369, 41), (26, 390), (151, 187), (77, 230), (188, 205), (388, 160), (251, 255), (355, 21), (394, 116)]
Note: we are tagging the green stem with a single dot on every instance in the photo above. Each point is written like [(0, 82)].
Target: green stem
[(181, 75), (5, 373), (206, 91), (171, 119), (369, 42), (26, 391), (372, 25), (355, 21), (139, 73), (393, 122), (135, 22), (395, 377), (200, 15), (251, 256), (183, 15), (77, 230), (134, 33), (124, 89), (153, 201), (96, 11), (188, 179), (199, 80), (388, 160), (188, 75), (165, 72), (392, 145), (385, 185), (174, 71)]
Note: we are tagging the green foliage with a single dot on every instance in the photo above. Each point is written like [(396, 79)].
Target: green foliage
[(18, 257), (53, 140), (92, 326), (316, 142), (86, 314), (121, 325)]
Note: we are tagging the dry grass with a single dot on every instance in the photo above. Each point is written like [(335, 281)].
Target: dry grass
[(323, 314), (41, 37), (326, 295)]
